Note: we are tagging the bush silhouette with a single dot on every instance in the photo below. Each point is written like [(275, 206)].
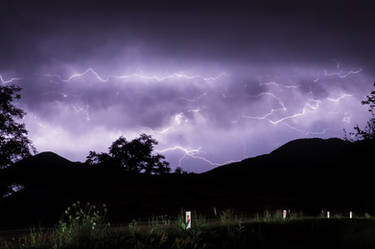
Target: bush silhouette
[(135, 156)]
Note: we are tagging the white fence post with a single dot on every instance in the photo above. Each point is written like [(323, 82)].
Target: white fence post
[(328, 214), (350, 214), (284, 214), (188, 219)]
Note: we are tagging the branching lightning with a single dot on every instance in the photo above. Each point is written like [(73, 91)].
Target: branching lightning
[(307, 107), (138, 76), (310, 106), (341, 74), (281, 103), (195, 153), (192, 153)]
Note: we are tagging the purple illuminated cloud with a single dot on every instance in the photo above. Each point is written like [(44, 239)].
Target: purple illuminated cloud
[(211, 86), (200, 121)]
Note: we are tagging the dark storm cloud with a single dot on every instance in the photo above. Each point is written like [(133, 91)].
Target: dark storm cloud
[(269, 32)]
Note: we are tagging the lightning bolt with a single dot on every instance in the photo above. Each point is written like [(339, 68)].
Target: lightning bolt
[(270, 83), (3, 81), (281, 103), (138, 76), (339, 98), (341, 74), (80, 109), (265, 117), (192, 153), (89, 70), (307, 107), (306, 132), (170, 77)]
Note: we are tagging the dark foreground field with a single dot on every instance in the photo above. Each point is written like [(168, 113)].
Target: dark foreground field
[(229, 231)]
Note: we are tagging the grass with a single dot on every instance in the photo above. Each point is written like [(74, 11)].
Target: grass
[(84, 226)]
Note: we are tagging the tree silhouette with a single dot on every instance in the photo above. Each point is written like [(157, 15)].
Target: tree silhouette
[(134, 156), (14, 144), (368, 133), (99, 159), (180, 171)]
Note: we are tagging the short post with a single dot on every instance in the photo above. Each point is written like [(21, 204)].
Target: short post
[(284, 214), (188, 219), (350, 214), (328, 214)]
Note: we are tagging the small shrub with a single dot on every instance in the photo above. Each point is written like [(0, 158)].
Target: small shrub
[(367, 216), (180, 222), (227, 217), (159, 223), (267, 216), (81, 222), (277, 216), (198, 221), (240, 227)]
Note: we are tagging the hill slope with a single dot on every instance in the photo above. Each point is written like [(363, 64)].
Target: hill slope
[(300, 153)]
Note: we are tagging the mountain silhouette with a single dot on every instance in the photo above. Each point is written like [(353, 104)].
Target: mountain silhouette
[(300, 153), (303, 174), (45, 160), (39, 168), (312, 147)]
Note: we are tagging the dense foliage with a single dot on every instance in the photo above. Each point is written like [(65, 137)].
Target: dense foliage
[(14, 143), (135, 156)]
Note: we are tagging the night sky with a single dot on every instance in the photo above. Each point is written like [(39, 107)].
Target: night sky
[(212, 82)]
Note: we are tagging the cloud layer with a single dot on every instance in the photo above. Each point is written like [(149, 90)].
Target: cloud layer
[(210, 86)]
